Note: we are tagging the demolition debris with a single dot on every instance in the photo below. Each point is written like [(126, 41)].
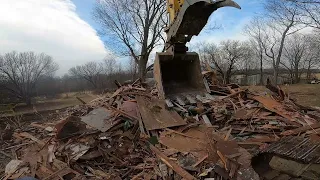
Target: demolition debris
[(132, 134)]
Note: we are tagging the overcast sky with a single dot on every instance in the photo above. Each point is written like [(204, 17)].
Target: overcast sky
[(64, 29)]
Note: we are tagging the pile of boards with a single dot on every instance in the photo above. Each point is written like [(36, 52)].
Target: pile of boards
[(132, 134)]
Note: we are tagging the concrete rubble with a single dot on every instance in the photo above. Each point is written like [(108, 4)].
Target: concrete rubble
[(132, 134)]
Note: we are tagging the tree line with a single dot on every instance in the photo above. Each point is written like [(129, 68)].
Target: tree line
[(26, 75), (285, 37)]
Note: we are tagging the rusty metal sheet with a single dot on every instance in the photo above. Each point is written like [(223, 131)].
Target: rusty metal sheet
[(156, 116)]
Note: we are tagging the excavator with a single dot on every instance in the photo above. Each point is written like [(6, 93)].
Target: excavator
[(177, 71)]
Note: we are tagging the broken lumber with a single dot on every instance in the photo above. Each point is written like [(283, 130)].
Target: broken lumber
[(183, 173), (156, 116), (300, 130)]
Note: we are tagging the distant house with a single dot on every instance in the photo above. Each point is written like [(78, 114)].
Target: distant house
[(252, 77)]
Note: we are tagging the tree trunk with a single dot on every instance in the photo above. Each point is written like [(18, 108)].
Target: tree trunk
[(28, 101), (228, 76), (142, 67), (278, 59), (275, 75), (227, 80), (296, 75), (94, 85), (308, 72), (261, 70), (246, 79)]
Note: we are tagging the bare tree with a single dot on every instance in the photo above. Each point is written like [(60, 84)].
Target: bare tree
[(137, 26), (256, 31), (113, 71), (294, 52), (224, 57), (90, 71), (247, 60), (312, 58), (110, 65), (310, 12), (282, 22), (22, 71)]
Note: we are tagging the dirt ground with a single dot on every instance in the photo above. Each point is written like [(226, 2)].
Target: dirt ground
[(43, 110), (54, 104), (306, 94)]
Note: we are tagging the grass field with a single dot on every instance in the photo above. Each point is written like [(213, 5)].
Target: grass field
[(306, 94)]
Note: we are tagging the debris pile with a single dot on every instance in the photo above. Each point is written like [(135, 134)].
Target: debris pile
[(132, 134)]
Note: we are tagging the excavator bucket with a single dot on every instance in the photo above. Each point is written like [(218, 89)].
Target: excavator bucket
[(176, 71), (179, 74)]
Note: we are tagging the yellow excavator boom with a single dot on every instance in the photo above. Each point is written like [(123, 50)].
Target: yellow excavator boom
[(173, 6)]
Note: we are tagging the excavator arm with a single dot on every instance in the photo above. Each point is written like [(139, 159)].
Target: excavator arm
[(188, 18), (176, 71)]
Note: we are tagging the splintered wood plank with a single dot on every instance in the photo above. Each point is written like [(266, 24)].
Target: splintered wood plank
[(209, 96), (206, 120), (202, 99), (206, 85), (180, 101), (156, 116), (191, 99), (169, 103)]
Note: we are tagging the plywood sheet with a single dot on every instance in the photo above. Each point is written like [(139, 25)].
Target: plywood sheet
[(156, 116)]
